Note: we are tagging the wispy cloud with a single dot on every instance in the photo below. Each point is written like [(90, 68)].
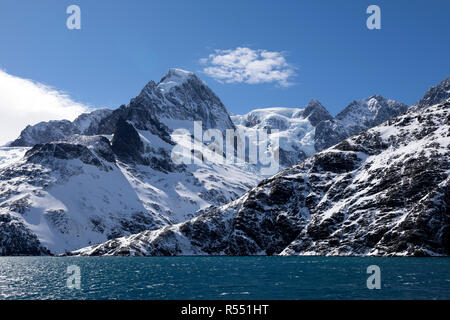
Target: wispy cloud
[(245, 65), (24, 102)]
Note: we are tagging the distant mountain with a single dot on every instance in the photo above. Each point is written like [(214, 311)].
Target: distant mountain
[(315, 112), (305, 131), (55, 130), (296, 134), (361, 115), (382, 192), (180, 98), (112, 173)]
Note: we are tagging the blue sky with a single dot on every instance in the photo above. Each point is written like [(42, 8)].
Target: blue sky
[(124, 44)]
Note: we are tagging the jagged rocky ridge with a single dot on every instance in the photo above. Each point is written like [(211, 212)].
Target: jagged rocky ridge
[(382, 192), (364, 114), (178, 99), (87, 124), (181, 98)]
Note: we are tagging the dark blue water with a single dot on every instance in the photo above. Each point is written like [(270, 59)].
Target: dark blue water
[(224, 278)]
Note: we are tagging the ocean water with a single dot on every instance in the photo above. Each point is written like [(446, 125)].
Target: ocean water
[(223, 278)]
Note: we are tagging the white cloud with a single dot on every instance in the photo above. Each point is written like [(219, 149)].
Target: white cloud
[(248, 66), (24, 102)]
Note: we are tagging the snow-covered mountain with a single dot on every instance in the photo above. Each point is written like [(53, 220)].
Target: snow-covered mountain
[(384, 191), (175, 102), (181, 98), (295, 127), (118, 177), (361, 115), (66, 185), (304, 131)]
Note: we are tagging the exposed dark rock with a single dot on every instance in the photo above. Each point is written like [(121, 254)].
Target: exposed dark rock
[(16, 239), (316, 113), (126, 143)]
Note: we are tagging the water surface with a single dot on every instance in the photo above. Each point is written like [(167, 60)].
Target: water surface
[(223, 278)]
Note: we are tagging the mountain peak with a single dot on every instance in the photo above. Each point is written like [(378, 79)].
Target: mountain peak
[(362, 114), (174, 77), (181, 95), (177, 72), (377, 97), (314, 104), (316, 112)]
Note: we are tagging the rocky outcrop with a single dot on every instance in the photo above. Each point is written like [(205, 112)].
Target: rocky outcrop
[(434, 95), (17, 240), (126, 142)]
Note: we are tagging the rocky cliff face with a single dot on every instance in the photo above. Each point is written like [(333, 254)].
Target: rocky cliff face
[(382, 192)]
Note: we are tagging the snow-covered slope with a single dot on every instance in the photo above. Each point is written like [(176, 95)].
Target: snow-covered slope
[(9, 155), (73, 194), (181, 98), (384, 191), (295, 132)]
